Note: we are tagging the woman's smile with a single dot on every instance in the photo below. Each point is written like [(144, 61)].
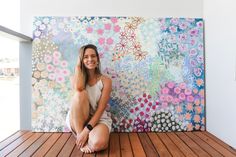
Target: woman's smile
[(90, 59)]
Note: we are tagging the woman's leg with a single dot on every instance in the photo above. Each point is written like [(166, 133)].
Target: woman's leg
[(98, 139), (79, 111)]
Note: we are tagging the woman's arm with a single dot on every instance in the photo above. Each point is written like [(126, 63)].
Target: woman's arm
[(102, 104), (78, 79)]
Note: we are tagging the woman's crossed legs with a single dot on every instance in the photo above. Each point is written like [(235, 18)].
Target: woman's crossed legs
[(79, 114)]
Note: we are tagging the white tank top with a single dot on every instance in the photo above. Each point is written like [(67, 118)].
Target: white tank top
[(94, 94)]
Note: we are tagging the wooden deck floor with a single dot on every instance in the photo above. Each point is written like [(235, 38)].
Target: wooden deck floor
[(179, 144)]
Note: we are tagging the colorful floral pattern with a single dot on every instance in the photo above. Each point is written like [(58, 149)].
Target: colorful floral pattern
[(156, 65)]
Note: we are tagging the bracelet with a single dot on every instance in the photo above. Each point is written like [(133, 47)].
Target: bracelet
[(89, 127)]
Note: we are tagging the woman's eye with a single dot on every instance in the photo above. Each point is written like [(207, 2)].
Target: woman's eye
[(93, 56)]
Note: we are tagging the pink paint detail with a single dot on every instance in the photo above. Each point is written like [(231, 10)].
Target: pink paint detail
[(150, 104), (169, 98), (50, 68), (142, 105), (177, 90), (101, 41), (170, 85), (55, 61), (47, 58), (107, 26), (145, 100), (114, 20), (116, 28), (64, 64), (89, 29), (100, 31), (144, 95), (162, 98), (139, 99), (165, 90), (56, 55), (52, 76), (57, 71), (187, 91), (164, 104), (60, 79), (182, 96), (182, 85), (65, 72), (141, 113), (109, 41), (190, 98), (176, 101)]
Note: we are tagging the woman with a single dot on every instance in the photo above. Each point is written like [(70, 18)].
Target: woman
[(87, 118)]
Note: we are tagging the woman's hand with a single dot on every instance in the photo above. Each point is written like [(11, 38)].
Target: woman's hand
[(82, 138)]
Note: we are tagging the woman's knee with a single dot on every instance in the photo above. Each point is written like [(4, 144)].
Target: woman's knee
[(80, 96), (99, 137), (98, 144)]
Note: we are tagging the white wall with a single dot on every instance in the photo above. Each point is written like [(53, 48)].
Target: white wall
[(150, 8), (220, 49)]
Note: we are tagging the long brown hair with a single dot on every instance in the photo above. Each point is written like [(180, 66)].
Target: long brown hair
[(82, 66)]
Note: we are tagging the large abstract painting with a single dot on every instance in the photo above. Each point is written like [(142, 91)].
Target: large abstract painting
[(156, 65)]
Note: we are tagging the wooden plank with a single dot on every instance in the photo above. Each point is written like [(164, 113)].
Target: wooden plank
[(160, 147), (68, 147), (173, 149), (125, 146), (47, 145), (147, 145), (196, 148), (222, 143), (71, 148), (55, 149), (138, 150), (11, 138), (25, 145), (114, 145), (204, 145), (103, 153), (214, 144), (30, 150), (15, 144), (76, 152), (89, 155), (181, 145)]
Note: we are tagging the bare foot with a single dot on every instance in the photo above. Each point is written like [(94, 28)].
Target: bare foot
[(86, 149)]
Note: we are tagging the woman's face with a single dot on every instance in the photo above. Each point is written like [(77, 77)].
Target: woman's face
[(90, 59)]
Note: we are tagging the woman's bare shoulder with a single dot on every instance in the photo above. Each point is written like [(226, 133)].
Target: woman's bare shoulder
[(106, 79)]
